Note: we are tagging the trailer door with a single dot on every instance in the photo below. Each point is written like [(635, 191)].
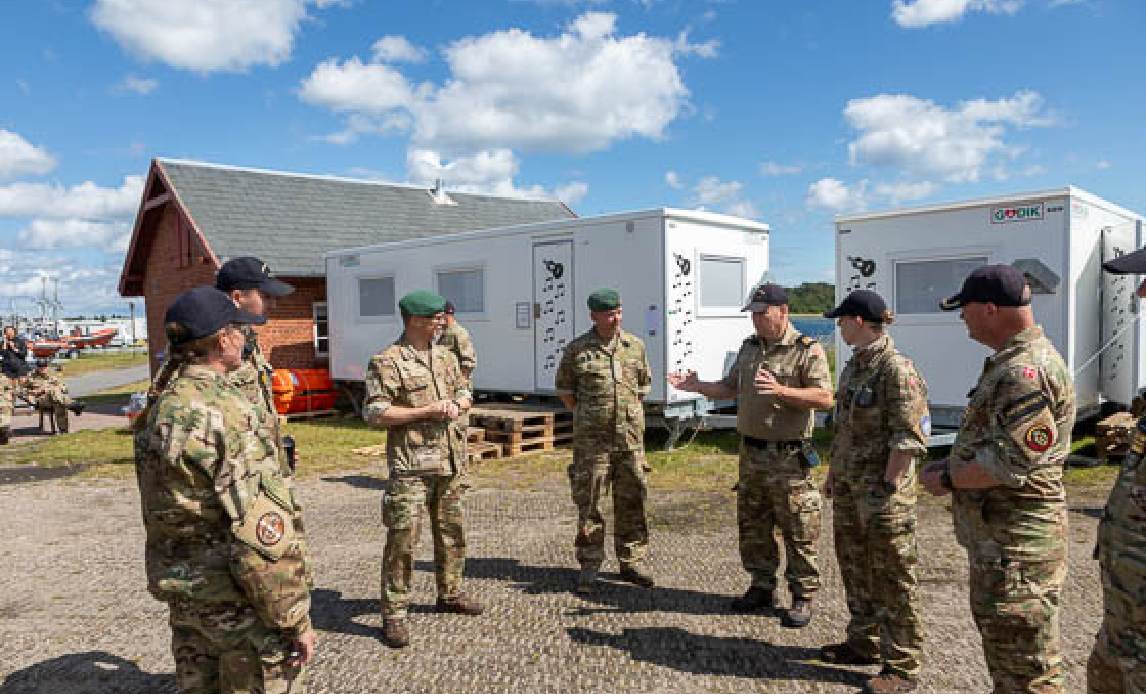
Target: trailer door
[(1116, 364), (552, 309)]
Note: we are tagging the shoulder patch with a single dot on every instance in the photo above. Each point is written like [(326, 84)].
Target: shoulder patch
[(1039, 438), (806, 341)]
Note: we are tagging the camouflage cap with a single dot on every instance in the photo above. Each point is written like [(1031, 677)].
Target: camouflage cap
[(766, 295), (604, 300), (422, 303)]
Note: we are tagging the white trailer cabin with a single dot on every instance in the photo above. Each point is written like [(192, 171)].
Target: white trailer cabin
[(521, 291), (1059, 238)]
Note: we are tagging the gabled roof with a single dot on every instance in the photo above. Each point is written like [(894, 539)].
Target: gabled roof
[(290, 220)]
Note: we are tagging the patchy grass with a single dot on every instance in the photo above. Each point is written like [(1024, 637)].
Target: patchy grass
[(91, 361)]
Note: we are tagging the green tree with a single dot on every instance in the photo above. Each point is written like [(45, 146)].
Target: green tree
[(812, 297)]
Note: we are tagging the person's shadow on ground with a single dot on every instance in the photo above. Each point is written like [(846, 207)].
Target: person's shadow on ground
[(730, 656), (93, 672), (360, 481)]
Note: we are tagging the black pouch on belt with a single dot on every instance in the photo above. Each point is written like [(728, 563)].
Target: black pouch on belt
[(809, 458)]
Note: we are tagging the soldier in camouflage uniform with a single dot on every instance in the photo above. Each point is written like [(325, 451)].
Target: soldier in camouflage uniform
[(780, 378), (250, 284), (416, 390), (882, 423), (1005, 476), (222, 546), (603, 377), (1118, 663), (7, 394), (48, 393), (457, 339)]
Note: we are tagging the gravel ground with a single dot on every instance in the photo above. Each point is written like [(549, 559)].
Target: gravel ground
[(75, 615)]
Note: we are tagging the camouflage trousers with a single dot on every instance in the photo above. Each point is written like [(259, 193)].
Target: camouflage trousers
[(402, 516), (775, 490), (1118, 663), (590, 477), (223, 648), (1015, 604), (877, 554)]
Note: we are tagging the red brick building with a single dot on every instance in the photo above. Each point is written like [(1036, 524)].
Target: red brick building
[(195, 216)]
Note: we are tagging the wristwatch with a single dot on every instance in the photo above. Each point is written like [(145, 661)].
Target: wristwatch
[(945, 479)]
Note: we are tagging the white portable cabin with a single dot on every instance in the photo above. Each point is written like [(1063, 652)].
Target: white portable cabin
[(1059, 238), (521, 291)]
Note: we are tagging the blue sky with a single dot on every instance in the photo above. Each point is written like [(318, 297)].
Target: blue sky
[(787, 112)]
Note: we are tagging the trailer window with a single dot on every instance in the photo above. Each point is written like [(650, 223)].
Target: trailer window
[(465, 288), (921, 285), (721, 282), (375, 296)]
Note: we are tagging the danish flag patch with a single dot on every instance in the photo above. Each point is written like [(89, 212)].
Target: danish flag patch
[(1029, 372)]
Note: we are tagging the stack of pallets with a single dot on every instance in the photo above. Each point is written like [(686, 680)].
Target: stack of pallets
[(1112, 435), (522, 428), (477, 448)]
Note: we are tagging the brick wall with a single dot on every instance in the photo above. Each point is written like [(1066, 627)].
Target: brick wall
[(177, 263)]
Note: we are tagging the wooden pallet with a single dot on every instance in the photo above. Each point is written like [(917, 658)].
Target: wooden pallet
[(1112, 435), (521, 428), (477, 452)]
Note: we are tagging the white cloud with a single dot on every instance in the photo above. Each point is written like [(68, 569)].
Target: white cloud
[(84, 201), (917, 14), (712, 193), (1102, 164), (45, 234), (397, 49), (920, 137), (834, 195), (710, 190), (489, 172), (353, 86), (18, 157), (705, 49), (672, 178), (204, 35), (896, 193), (578, 91), (771, 168), (139, 85)]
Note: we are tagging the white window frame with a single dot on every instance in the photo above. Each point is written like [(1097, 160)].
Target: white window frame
[(469, 316), (391, 318), (935, 317), (314, 311), (720, 311)]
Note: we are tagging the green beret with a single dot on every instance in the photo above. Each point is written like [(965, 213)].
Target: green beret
[(604, 300), (422, 303)]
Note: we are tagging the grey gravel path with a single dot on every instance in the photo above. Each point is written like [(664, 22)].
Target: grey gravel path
[(75, 617), (96, 381)]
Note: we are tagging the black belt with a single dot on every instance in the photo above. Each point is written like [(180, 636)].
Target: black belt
[(764, 444)]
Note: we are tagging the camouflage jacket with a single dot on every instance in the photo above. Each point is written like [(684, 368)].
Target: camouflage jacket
[(609, 381), (457, 339), (400, 375), (1017, 427), (1122, 534), (881, 406), (38, 385), (7, 395), (254, 376), (796, 360), (220, 519)]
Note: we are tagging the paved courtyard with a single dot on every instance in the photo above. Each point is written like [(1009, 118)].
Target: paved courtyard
[(75, 615)]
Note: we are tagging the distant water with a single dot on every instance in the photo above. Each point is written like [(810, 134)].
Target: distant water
[(823, 329)]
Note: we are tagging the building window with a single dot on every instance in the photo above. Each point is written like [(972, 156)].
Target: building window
[(721, 282), (465, 288), (921, 285), (375, 297), (321, 329)]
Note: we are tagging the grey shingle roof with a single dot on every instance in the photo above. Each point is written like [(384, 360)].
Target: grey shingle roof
[(290, 220)]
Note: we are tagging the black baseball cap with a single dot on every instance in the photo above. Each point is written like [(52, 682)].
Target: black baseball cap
[(1129, 264), (249, 273), (1002, 285), (764, 296), (863, 303), (204, 311), (450, 308)]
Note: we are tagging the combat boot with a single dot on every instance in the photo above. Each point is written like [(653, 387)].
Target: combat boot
[(460, 604), (395, 634), (586, 580), (631, 573), (4, 436), (756, 599), (799, 614), (889, 683)]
